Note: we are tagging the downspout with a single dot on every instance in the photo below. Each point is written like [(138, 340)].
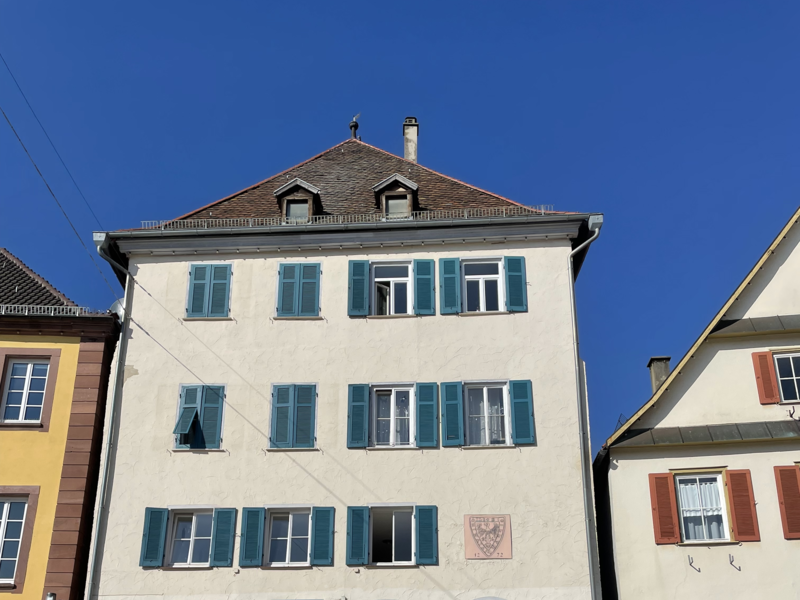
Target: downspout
[(595, 223)]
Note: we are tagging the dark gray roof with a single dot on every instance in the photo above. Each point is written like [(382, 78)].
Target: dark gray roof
[(757, 325), (709, 434), (20, 285)]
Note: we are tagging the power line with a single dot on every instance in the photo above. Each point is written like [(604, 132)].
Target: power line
[(77, 187)]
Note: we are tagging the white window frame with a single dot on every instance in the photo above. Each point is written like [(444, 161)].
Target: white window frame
[(275, 511), (3, 525), (395, 195), (467, 385), (408, 280), (500, 277), (193, 513), (395, 508), (25, 392), (723, 503), (373, 411), (796, 374)]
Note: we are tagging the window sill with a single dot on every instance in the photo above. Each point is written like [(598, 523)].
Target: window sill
[(709, 543), (317, 318), (187, 568), (7, 586), (199, 450), (391, 566), (392, 316), (21, 425), (495, 447), (390, 448), (484, 313), (208, 319), (292, 449), (287, 566)]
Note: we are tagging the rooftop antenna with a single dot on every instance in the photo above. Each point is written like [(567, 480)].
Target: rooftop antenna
[(354, 126)]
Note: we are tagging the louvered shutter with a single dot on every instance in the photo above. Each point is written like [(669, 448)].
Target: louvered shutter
[(198, 290), (516, 284), (452, 414), (357, 535), (522, 424), (309, 290), (427, 535), (251, 544), (222, 535), (191, 397), (357, 415), (282, 416), (766, 380), (304, 407), (449, 286), (211, 415), (220, 291), (788, 480), (743, 506), (288, 287), (424, 302), (154, 537), (185, 421), (664, 506), (358, 288), (322, 520), (427, 413)]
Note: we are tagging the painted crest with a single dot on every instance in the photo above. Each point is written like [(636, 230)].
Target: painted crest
[(487, 532)]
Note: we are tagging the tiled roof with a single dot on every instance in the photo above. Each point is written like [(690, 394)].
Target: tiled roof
[(20, 285), (345, 175)]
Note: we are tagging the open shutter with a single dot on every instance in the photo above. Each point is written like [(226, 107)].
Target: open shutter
[(766, 380), (322, 519), (358, 288), (288, 290), (191, 396), (357, 535), (665, 510), (788, 480), (516, 284), (186, 419), (222, 535), (424, 302), (304, 407), (198, 290), (154, 537), (427, 535), (282, 416), (220, 291), (427, 415), (309, 290), (449, 286), (452, 414), (743, 506), (357, 415), (522, 425), (251, 544), (211, 415)]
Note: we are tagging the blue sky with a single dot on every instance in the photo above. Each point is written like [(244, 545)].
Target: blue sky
[(678, 120)]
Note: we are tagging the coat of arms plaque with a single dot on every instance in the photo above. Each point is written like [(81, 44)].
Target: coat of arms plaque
[(487, 536)]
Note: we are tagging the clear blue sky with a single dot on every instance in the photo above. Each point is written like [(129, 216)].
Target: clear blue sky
[(678, 120)]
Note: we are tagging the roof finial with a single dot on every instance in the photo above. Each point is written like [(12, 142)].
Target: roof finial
[(354, 126)]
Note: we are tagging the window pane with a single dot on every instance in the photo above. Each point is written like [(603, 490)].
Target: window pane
[(402, 403), (789, 391), (19, 370), (11, 413), (784, 366), (14, 398), (397, 205), (203, 525), (37, 384), (382, 435), (381, 298), (16, 383), (40, 370), (299, 550), (7, 569), (481, 269), (300, 525), (277, 550), (402, 536), (14, 530), (36, 398), (497, 422), (490, 294), (280, 526), (10, 550), (201, 550), (16, 511), (391, 271), (183, 531), (473, 296), (475, 418), (33, 413), (180, 551), (796, 363), (714, 529), (402, 432), (297, 209), (384, 405), (400, 299)]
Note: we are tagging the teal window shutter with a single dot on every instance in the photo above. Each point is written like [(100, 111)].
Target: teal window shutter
[(211, 415), (424, 302), (452, 414), (154, 537), (449, 286), (322, 519), (357, 535), (358, 288), (288, 288), (427, 535), (305, 397), (523, 430), (282, 416), (357, 415), (516, 284), (186, 419), (222, 535), (251, 544), (219, 293), (309, 290), (191, 397), (198, 290), (427, 415)]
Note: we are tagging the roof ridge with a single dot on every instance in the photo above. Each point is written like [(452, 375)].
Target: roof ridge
[(36, 277)]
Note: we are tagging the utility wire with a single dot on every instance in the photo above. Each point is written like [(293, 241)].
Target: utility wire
[(77, 187)]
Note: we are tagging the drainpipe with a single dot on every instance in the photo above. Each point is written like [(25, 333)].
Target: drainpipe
[(595, 223)]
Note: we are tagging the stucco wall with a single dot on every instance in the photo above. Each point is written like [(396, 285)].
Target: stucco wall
[(540, 487)]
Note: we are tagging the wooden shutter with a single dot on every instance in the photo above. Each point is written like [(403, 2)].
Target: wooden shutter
[(424, 302), (788, 480), (288, 290), (522, 425), (665, 510), (427, 535), (304, 408), (452, 414), (154, 537), (322, 520), (358, 288), (282, 416), (222, 534), (357, 535), (198, 290), (191, 398), (516, 284), (449, 286), (308, 305), (186, 419), (357, 415), (211, 415), (743, 506), (766, 380), (251, 545), (220, 291), (427, 415)]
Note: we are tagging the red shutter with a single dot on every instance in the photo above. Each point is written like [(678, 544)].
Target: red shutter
[(788, 480), (743, 506), (665, 512), (766, 380)]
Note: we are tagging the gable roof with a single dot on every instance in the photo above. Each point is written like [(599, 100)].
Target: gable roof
[(706, 332), (20, 285)]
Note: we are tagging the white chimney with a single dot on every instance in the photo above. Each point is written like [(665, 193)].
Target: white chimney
[(410, 134)]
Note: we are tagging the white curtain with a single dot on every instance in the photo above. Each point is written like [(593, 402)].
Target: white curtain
[(701, 508)]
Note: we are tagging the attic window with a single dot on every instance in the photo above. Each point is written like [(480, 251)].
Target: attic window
[(397, 206), (297, 210)]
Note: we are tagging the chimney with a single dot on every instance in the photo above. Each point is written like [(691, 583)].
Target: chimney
[(410, 133), (659, 370)]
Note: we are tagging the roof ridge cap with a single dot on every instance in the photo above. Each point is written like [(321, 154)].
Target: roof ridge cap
[(38, 278)]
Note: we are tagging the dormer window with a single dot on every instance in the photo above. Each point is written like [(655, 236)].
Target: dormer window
[(396, 205), (396, 194), (296, 200), (297, 209)]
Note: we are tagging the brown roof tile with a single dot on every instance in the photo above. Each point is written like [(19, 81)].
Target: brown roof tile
[(20, 285)]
